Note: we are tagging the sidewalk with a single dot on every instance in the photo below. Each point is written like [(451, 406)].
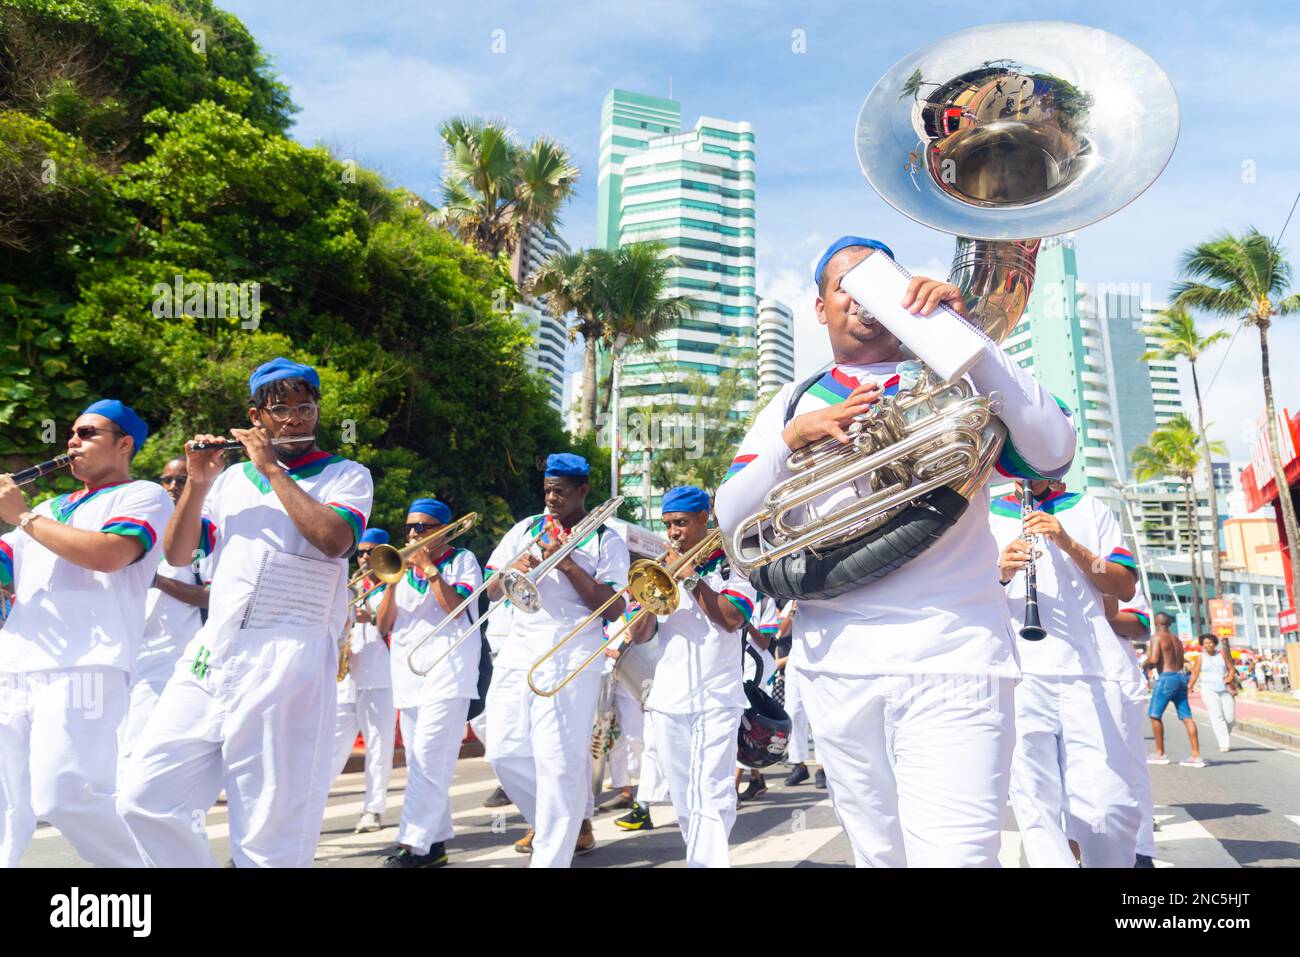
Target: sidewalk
[(1274, 722)]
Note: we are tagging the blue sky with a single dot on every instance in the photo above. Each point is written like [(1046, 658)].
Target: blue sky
[(375, 80)]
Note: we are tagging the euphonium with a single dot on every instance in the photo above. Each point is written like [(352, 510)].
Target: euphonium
[(994, 134)]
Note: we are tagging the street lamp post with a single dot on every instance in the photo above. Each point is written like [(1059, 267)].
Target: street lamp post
[(616, 350), (1133, 530)]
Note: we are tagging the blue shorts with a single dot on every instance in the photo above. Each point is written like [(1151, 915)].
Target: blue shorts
[(1170, 686)]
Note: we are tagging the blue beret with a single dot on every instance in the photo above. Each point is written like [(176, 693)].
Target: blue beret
[(843, 243), (281, 368), (375, 536), (124, 417), (566, 464), (433, 508), (685, 498)]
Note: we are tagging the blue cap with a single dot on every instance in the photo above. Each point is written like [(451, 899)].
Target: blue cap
[(124, 417), (375, 536), (433, 508), (566, 464), (843, 243), (281, 368), (685, 498)]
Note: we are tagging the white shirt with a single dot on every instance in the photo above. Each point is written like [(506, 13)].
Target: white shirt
[(942, 612), (243, 519), (1079, 641), (368, 665), (700, 665), (603, 555), (65, 615), (169, 623), (418, 612)]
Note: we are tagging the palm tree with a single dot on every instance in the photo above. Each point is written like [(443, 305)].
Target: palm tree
[(1245, 278), (571, 282), (494, 188), (1178, 337)]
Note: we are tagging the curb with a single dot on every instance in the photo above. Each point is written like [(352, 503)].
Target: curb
[(1287, 739)]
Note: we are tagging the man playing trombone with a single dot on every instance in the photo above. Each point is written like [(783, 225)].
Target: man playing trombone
[(538, 746), (697, 697), (433, 708)]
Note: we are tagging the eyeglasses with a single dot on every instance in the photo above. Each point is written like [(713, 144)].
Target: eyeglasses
[(177, 480), (282, 413), (419, 528), (88, 432), (364, 552)]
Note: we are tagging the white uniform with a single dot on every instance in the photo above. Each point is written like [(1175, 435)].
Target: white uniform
[(625, 752), (798, 753), (907, 680), (365, 705), (169, 624), (250, 709), (433, 708), (540, 747), (758, 664), (66, 653), (1071, 758), (1129, 697), (695, 706)]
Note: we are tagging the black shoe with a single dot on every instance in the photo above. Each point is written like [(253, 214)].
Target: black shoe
[(798, 776), (637, 819), (820, 779), (756, 787), (497, 798), (436, 857), (1143, 861)]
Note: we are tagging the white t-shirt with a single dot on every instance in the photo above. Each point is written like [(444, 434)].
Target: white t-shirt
[(603, 555), (368, 664), (243, 519), (700, 665), (418, 612), (169, 623), (1080, 641), (942, 612), (67, 616)]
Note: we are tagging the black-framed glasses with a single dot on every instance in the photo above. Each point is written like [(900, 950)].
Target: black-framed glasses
[(177, 480), (419, 528), (88, 432)]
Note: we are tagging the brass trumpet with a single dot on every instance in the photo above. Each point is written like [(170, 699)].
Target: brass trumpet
[(652, 585), (388, 563)]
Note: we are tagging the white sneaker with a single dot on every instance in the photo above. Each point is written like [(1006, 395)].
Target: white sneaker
[(1157, 759), (369, 822), (1189, 763)]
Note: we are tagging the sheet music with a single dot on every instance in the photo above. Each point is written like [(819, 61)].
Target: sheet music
[(292, 592)]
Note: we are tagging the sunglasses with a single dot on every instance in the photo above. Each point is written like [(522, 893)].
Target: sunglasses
[(88, 432), (419, 528), (177, 480)]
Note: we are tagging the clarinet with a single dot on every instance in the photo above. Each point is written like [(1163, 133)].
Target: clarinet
[(1033, 628)]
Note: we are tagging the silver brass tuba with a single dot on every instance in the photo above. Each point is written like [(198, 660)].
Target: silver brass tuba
[(994, 134)]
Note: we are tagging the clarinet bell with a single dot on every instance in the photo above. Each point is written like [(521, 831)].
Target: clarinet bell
[(1033, 630)]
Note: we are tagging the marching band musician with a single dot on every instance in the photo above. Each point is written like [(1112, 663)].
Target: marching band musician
[(80, 565), (365, 695), (433, 708), (263, 668), (907, 680), (539, 747), (697, 698), (1128, 697), (625, 752), (1071, 759)]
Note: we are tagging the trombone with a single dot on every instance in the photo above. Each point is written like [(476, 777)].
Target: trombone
[(388, 563), (519, 587), (650, 584)]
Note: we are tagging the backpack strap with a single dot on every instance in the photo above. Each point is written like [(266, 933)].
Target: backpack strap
[(799, 391)]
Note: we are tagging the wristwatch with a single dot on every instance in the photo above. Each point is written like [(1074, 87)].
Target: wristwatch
[(25, 519), (692, 582)]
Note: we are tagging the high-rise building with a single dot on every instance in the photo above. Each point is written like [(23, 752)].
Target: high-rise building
[(775, 346), (550, 337), (693, 191), (1257, 600)]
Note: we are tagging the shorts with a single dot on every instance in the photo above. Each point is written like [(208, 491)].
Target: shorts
[(1170, 686)]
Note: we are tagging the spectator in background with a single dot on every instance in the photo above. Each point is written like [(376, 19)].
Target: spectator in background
[(1261, 674), (1217, 690)]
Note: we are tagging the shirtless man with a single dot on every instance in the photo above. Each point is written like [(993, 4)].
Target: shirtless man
[(1166, 653)]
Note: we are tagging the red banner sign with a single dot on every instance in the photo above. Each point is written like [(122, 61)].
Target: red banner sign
[(1287, 621), (1221, 617)]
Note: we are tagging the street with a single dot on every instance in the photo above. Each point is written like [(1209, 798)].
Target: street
[(1243, 810)]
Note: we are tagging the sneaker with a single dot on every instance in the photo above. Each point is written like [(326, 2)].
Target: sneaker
[(436, 857), (497, 798), (1225, 750), (1190, 763), (820, 779), (620, 802), (798, 776), (637, 819), (1157, 759), (1143, 861), (369, 822), (525, 844), (586, 840), (756, 787)]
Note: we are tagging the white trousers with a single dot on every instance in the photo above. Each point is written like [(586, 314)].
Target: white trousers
[(1071, 774), (1222, 707), (58, 762), (431, 735), (373, 715), (625, 754), (1133, 714), (540, 749), (143, 698), (260, 724), (916, 765), (652, 786), (699, 752), (798, 752)]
